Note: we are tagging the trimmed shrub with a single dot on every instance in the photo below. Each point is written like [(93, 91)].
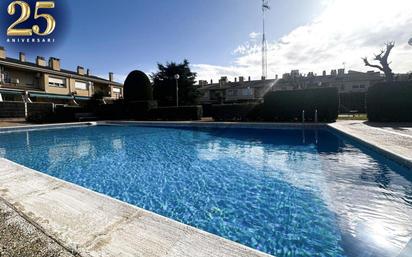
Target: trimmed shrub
[(114, 111), (39, 112), (139, 109), (137, 87), (236, 112), (176, 113), (67, 113), (126, 110), (12, 110), (207, 110), (390, 102), (352, 102), (287, 106)]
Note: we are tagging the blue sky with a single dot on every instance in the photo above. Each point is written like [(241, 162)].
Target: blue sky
[(123, 35), (219, 37)]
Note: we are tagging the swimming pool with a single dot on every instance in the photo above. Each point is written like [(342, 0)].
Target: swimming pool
[(287, 192)]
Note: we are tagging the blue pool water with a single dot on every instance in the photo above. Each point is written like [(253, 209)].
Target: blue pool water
[(284, 192)]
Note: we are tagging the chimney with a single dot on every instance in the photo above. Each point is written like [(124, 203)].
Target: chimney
[(202, 83), (249, 78), (333, 73), (2, 53), (241, 79), (235, 79), (341, 72), (88, 72), (324, 73), (277, 76), (223, 80), (111, 76), (80, 70), (263, 78), (54, 63), (40, 61), (211, 81), (22, 57)]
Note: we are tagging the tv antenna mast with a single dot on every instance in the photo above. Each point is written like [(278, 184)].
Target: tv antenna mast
[(265, 7)]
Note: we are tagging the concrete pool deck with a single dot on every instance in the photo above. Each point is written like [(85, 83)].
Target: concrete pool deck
[(45, 216)]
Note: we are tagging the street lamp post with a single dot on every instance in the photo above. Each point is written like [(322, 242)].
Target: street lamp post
[(177, 77)]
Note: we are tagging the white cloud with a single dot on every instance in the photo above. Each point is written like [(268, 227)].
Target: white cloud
[(254, 35), (346, 31)]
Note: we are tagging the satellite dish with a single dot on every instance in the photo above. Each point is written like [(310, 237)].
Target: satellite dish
[(410, 41)]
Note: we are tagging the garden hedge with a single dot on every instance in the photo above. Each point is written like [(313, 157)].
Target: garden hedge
[(352, 102), (182, 113), (236, 112), (287, 106), (390, 102)]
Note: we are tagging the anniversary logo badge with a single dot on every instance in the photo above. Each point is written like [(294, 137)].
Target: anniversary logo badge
[(32, 25)]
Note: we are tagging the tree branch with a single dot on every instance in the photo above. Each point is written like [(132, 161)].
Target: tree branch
[(365, 60), (378, 57), (389, 47)]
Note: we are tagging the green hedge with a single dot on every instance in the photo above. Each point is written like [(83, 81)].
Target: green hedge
[(40, 112), (287, 106), (183, 113), (67, 113), (236, 112), (352, 102), (390, 102)]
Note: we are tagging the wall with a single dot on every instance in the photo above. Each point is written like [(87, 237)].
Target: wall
[(27, 80), (116, 95), (80, 92), (55, 90)]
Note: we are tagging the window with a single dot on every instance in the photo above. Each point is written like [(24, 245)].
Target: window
[(355, 86), (362, 86), (57, 82), (81, 85), (232, 92), (247, 92), (116, 92)]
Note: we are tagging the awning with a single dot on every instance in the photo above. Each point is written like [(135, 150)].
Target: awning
[(10, 92), (85, 98), (52, 96)]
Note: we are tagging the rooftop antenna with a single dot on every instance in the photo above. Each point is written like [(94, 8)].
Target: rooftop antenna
[(265, 7)]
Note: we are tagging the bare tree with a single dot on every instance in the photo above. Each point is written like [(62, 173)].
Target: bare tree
[(382, 57)]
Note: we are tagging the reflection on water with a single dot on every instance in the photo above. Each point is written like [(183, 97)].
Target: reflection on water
[(285, 192)]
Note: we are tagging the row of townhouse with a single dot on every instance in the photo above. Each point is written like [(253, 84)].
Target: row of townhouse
[(46, 81), (346, 82), (234, 92), (242, 90)]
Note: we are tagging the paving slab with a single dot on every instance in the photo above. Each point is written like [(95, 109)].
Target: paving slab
[(18, 237)]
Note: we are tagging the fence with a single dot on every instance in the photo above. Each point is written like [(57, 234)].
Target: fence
[(12, 110)]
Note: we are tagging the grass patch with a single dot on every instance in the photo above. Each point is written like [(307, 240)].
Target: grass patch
[(362, 116)]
